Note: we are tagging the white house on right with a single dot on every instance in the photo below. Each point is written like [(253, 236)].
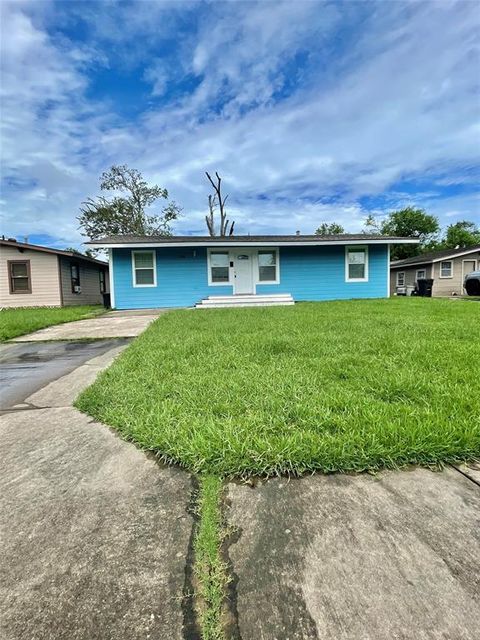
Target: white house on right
[(447, 269)]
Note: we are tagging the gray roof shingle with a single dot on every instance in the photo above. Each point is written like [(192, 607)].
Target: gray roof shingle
[(347, 237), (432, 256)]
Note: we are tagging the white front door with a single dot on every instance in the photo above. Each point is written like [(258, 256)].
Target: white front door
[(243, 272)]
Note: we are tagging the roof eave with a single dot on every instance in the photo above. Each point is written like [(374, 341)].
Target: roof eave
[(265, 243), (459, 254)]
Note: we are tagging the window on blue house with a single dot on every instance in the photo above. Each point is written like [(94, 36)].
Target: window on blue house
[(143, 268), (267, 266), (356, 259), (219, 266)]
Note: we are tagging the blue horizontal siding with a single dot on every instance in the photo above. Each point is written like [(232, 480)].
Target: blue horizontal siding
[(307, 273), (318, 273), (182, 280)]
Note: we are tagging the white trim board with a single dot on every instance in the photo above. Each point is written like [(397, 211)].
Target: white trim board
[(253, 252), (451, 270), (463, 267), (266, 243), (110, 279), (143, 286), (358, 247)]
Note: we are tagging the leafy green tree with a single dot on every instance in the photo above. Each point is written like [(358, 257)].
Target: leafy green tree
[(127, 213), (404, 223), (461, 234), (329, 229), (88, 252)]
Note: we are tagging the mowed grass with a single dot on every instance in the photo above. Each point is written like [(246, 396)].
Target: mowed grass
[(335, 386), (17, 322)]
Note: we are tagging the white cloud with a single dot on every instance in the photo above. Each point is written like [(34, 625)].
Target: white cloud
[(395, 103)]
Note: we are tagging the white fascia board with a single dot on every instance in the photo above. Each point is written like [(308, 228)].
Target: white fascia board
[(268, 243)]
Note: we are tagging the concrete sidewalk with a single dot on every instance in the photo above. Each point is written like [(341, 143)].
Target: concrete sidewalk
[(114, 324), (358, 557), (95, 534)]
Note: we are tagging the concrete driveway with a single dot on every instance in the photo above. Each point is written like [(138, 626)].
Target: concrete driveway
[(114, 324), (350, 557), (95, 535)]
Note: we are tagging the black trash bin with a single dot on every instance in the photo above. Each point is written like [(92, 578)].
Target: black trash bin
[(106, 300), (424, 287)]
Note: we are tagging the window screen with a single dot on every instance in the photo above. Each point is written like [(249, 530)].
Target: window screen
[(267, 266), (357, 264), (19, 273), (144, 268), (219, 267)]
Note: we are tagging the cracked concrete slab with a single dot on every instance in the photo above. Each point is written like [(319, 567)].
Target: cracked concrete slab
[(470, 470), (95, 534), (116, 324), (347, 557)]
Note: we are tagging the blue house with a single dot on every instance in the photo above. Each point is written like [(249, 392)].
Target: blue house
[(185, 271)]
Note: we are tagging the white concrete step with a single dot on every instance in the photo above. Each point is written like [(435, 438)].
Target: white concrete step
[(281, 296), (217, 305), (213, 302)]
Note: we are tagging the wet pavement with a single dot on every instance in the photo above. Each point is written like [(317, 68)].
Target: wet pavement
[(95, 533), (26, 368)]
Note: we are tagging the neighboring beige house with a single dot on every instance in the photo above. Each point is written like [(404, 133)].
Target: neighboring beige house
[(34, 276), (447, 268)]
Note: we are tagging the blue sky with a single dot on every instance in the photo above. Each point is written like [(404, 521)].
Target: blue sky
[(311, 111)]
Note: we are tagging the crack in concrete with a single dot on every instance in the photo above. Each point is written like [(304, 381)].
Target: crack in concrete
[(27, 406), (465, 475), (190, 627), (232, 537)]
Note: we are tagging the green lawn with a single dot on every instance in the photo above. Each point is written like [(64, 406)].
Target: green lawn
[(330, 386), (17, 322)]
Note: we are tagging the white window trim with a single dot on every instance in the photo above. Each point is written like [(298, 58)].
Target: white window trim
[(418, 271), (440, 270), (209, 269), (356, 248), (257, 280), (143, 286), (400, 273)]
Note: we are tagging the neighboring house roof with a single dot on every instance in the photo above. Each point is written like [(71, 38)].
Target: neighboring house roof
[(59, 252), (274, 240), (434, 256)]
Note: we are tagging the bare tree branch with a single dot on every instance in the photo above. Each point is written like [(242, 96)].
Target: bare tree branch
[(215, 199)]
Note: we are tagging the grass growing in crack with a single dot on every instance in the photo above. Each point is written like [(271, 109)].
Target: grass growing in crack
[(336, 386), (17, 322), (210, 570)]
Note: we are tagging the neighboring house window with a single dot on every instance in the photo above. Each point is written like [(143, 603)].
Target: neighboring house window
[(267, 266), (19, 276), (400, 278), (421, 274), (144, 269), (356, 259), (219, 267), (446, 269), (101, 275), (75, 277)]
